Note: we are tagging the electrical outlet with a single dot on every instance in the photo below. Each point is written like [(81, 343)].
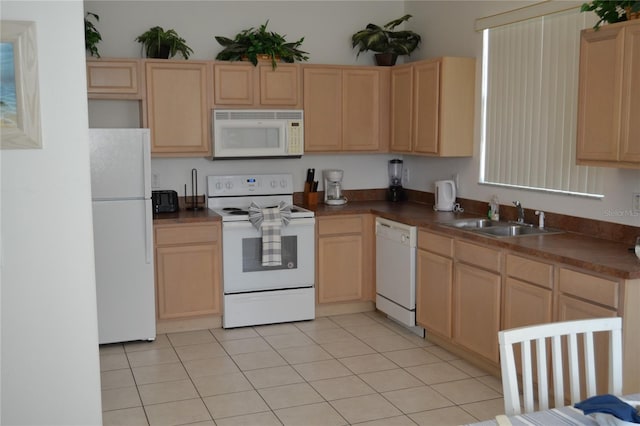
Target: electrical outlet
[(405, 178), (636, 202)]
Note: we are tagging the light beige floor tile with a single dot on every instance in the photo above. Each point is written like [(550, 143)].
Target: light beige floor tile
[(347, 348), (342, 387), (413, 400), (412, 357), (493, 382), (235, 404), (438, 372), (365, 408), (353, 319), (281, 341), (113, 361), (274, 376), (126, 417), (369, 330), (328, 335), (466, 391), (390, 421), (388, 343), (205, 423), (152, 357), (177, 413), (159, 373), (417, 340), (200, 351), (290, 395), (243, 346), (319, 370), (223, 383), (266, 418), (302, 354), (210, 366), (254, 360), (443, 354), (190, 337), (276, 329), (367, 363), (161, 342), (485, 410), (449, 416), (157, 393), (468, 368), (322, 323), (116, 379), (114, 348), (389, 380), (376, 315), (116, 399), (321, 414), (223, 334)]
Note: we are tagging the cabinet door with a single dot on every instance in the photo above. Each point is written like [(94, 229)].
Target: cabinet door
[(322, 109), (401, 108), (234, 84), (178, 112), (188, 281), (434, 278), (426, 103), (361, 110), (279, 87), (599, 94), (476, 310), (525, 304), (630, 147), (340, 268), (114, 79)]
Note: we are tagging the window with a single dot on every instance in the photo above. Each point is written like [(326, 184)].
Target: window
[(529, 105)]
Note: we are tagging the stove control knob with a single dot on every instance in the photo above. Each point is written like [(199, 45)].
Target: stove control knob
[(283, 183), (229, 185), (219, 185), (274, 183)]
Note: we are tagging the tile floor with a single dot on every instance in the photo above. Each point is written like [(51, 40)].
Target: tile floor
[(339, 370)]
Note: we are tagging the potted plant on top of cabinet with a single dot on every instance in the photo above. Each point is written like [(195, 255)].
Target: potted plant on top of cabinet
[(91, 35), (388, 43), (254, 44), (162, 44), (612, 11)]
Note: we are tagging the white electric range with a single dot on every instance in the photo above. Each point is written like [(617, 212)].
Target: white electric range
[(256, 294)]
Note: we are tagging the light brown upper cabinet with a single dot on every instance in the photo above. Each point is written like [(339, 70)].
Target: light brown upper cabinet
[(242, 85), (178, 110), (609, 96), (432, 107), (346, 109), (114, 79)]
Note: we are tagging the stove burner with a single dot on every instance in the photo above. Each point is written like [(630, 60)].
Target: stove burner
[(231, 209), (237, 212)]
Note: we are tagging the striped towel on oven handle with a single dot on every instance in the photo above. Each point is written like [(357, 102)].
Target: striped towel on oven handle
[(270, 221)]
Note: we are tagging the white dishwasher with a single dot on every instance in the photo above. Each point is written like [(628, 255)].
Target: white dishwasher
[(396, 271)]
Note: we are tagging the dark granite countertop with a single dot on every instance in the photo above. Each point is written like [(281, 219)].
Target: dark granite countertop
[(186, 216)]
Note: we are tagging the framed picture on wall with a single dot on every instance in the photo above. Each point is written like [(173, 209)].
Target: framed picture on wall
[(19, 94)]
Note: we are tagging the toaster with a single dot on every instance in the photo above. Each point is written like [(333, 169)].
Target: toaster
[(165, 201)]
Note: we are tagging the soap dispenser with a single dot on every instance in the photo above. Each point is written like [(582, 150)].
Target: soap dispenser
[(494, 209)]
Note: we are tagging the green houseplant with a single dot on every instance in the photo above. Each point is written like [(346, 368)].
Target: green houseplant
[(91, 35), (253, 44), (162, 44), (387, 43), (612, 11)]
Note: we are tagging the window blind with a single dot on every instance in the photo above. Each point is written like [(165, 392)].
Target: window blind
[(530, 98)]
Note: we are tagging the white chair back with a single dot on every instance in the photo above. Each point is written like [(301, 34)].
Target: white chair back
[(554, 333)]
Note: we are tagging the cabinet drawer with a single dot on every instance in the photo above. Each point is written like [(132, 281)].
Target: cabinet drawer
[(187, 234), (589, 287), (340, 225), (530, 270), (477, 255), (435, 243)]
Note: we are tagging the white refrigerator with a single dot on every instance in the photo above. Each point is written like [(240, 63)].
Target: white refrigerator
[(123, 234)]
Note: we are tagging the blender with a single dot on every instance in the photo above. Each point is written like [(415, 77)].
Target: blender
[(333, 188), (395, 191)]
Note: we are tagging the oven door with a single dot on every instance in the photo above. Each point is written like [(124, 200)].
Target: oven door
[(242, 257)]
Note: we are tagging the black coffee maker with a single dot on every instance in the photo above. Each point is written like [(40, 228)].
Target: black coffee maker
[(396, 191)]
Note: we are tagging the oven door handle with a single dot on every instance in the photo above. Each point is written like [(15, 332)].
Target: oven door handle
[(246, 224)]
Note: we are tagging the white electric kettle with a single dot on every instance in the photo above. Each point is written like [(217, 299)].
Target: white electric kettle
[(445, 195)]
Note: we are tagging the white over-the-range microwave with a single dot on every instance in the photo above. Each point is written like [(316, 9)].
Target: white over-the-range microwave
[(242, 133)]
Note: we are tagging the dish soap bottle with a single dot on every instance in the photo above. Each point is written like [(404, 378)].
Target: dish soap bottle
[(494, 209)]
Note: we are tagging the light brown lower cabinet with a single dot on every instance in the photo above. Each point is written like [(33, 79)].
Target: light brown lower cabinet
[(434, 275), (188, 270)]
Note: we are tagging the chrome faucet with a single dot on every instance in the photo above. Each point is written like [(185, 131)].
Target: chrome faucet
[(520, 211)]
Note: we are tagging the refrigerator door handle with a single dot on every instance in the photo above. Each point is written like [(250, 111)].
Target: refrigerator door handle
[(146, 166), (148, 246)]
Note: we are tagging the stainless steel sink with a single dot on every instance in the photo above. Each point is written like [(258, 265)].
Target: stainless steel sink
[(492, 228)]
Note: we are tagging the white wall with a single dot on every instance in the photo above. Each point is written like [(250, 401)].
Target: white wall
[(50, 364)]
